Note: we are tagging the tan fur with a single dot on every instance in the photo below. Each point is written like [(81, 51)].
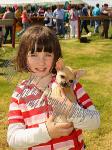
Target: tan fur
[(64, 76)]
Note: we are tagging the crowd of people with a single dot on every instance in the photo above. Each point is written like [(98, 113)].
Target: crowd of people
[(62, 18)]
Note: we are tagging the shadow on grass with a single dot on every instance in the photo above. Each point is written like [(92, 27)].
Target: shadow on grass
[(2, 74), (5, 63)]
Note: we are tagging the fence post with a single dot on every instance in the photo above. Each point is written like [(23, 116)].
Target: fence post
[(13, 33), (78, 27)]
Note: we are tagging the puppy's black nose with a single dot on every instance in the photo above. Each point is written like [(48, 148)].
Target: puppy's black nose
[(64, 84), (71, 81)]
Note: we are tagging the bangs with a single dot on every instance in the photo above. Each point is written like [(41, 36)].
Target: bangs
[(42, 45)]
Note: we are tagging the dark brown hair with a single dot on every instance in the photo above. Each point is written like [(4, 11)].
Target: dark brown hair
[(43, 38)]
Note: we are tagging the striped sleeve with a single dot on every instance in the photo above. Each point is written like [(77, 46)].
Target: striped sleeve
[(82, 97), (15, 114), (83, 114)]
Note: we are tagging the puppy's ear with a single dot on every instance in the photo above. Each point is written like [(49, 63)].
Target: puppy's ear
[(59, 64), (79, 73)]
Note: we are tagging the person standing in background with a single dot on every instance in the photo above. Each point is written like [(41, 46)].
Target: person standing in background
[(96, 12), (106, 22), (73, 22), (91, 20), (18, 14), (48, 17), (8, 15), (41, 11), (59, 15), (84, 12), (25, 21)]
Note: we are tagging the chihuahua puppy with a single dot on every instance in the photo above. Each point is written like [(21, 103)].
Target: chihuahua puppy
[(65, 81)]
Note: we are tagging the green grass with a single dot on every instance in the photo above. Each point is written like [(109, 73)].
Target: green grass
[(96, 58)]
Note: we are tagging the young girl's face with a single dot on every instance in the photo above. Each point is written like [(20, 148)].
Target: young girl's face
[(40, 63)]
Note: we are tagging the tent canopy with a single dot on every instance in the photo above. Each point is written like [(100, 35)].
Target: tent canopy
[(89, 2), (101, 2), (12, 2)]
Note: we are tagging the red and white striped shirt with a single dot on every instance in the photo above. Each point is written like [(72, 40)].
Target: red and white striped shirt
[(28, 114)]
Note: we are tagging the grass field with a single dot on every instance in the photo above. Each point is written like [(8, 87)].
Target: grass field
[(96, 58)]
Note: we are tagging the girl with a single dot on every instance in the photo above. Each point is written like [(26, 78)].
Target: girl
[(31, 123)]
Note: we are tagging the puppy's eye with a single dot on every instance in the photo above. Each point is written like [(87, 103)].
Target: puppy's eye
[(63, 77), (71, 81)]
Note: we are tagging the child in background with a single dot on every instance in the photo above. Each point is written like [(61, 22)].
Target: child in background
[(31, 123)]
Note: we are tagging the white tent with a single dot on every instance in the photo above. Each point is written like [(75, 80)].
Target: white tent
[(12, 2), (101, 2), (89, 2), (76, 1)]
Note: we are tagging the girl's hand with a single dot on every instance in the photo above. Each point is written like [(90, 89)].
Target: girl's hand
[(59, 129)]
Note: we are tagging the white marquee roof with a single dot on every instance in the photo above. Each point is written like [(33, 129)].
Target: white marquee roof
[(9, 2), (89, 2), (101, 2)]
